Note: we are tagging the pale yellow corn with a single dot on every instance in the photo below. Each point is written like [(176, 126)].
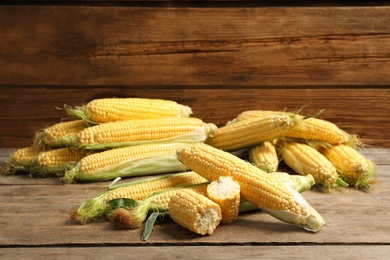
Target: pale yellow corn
[(58, 160), (127, 162), (226, 193), (304, 160), (308, 129), (194, 211), (144, 189), (352, 166), (118, 109), (264, 156), (252, 131), (132, 132), (257, 186), (60, 135), (22, 159)]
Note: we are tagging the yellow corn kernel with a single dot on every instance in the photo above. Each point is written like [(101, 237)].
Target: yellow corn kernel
[(133, 132), (58, 160), (22, 159), (257, 186), (304, 160), (194, 211), (144, 189), (251, 132), (308, 129), (265, 156), (118, 109), (352, 166), (128, 161), (226, 193), (62, 134)]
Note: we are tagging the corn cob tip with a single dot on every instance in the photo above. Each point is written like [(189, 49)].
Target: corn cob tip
[(309, 219), (185, 111)]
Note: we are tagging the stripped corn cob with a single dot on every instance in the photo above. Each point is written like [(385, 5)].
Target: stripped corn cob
[(58, 161), (134, 132), (257, 187), (195, 212), (59, 135), (308, 129), (22, 159), (226, 193), (129, 161), (117, 109), (304, 160), (352, 166), (134, 218), (251, 132), (265, 156)]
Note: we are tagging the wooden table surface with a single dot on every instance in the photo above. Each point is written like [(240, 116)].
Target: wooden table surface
[(35, 224)]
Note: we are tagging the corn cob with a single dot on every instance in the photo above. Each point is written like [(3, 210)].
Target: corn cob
[(118, 109), (304, 159), (251, 132), (311, 129), (195, 212), (59, 135), (135, 132), (226, 193), (98, 206), (134, 218), (352, 166), (257, 187), (129, 161), (22, 159), (264, 156), (57, 161)]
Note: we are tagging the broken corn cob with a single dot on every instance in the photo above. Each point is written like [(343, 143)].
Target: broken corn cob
[(98, 206), (257, 186), (194, 211), (118, 109), (137, 160), (252, 132), (142, 131), (226, 193), (352, 166)]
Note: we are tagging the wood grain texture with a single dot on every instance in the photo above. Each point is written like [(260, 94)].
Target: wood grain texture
[(36, 215), (364, 112), (302, 46)]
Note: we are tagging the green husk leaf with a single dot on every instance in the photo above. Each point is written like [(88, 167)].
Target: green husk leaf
[(149, 226), (122, 203)]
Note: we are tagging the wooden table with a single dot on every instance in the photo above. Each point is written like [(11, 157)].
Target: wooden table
[(35, 224)]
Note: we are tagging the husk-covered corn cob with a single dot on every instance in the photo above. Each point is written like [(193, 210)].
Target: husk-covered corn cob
[(304, 159), (22, 160), (257, 187), (138, 160), (118, 109), (62, 134), (264, 156), (352, 166), (310, 128), (253, 131)]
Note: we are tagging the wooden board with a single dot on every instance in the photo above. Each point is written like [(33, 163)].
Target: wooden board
[(305, 46), (364, 112)]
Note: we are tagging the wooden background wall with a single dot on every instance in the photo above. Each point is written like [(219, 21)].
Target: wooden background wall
[(219, 57)]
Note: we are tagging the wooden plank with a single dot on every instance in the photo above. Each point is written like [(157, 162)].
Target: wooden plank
[(86, 45), (41, 212), (364, 112), (202, 252)]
